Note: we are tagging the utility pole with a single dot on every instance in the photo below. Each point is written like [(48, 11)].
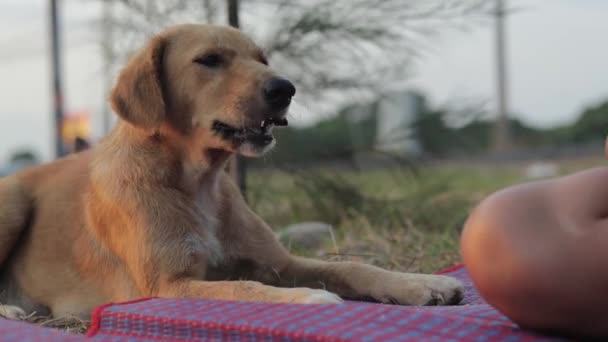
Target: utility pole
[(56, 79), (237, 166), (108, 58), (233, 12), (501, 134)]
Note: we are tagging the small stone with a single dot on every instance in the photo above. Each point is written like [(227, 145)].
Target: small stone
[(307, 235), (539, 170)]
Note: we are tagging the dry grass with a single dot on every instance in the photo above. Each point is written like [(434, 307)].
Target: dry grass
[(391, 218), (70, 325)]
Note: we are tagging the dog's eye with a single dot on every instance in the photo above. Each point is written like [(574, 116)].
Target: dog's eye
[(211, 61)]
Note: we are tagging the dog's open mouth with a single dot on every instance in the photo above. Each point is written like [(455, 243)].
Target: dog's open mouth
[(261, 135)]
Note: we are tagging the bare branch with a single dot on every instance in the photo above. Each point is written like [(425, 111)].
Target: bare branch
[(327, 47)]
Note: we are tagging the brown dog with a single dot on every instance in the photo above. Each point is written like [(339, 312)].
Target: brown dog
[(149, 210)]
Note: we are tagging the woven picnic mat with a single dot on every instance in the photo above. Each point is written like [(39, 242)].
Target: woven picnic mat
[(197, 319)]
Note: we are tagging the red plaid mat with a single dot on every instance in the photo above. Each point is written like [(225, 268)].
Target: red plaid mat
[(188, 319), (204, 320)]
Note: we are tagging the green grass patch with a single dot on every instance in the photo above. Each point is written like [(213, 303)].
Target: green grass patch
[(398, 219)]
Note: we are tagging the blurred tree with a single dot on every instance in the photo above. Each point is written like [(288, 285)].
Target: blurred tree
[(432, 133), (329, 48), (591, 125), (328, 139), (333, 50), (24, 156)]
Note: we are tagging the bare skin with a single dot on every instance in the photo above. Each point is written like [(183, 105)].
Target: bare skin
[(538, 253)]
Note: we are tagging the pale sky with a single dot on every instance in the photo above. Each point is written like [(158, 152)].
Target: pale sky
[(558, 63)]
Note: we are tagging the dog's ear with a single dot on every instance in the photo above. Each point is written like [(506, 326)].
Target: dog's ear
[(138, 94)]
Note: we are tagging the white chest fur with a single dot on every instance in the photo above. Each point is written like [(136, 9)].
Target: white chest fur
[(204, 239)]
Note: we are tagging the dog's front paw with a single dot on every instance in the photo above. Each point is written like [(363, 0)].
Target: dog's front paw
[(309, 296), (418, 289)]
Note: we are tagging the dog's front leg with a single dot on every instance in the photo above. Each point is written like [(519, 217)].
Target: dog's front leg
[(359, 281), (167, 256), (245, 291), (249, 237)]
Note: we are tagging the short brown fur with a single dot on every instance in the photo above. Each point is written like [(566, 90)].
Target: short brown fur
[(149, 211)]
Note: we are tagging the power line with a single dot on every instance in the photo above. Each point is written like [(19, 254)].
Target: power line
[(39, 52), (36, 50), (39, 31)]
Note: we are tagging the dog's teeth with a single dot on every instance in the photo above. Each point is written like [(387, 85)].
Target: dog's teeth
[(281, 122), (263, 124)]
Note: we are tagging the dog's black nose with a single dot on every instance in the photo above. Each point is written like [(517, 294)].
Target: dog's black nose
[(278, 92)]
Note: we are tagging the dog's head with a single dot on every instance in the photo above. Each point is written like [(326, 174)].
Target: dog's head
[(208, 82)]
